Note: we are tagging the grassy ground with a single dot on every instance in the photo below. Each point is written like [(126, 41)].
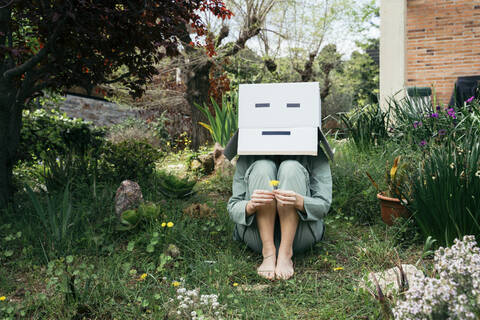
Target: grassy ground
[(111, 274)]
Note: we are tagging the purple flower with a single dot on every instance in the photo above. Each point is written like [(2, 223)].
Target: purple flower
[(438, 108), (470, 99), (417, 124), (390, 129), (451, 113), (434, 115), (422, 143), (442, 132)]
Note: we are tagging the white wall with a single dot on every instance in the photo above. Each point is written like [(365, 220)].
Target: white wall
[(392, 48)]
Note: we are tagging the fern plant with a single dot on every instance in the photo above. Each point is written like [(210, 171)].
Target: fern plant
[(224, 122)]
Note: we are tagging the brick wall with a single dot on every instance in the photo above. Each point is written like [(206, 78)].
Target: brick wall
[(443, 43)]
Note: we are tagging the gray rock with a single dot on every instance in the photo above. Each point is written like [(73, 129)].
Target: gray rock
[(387, 279), (128, 196)]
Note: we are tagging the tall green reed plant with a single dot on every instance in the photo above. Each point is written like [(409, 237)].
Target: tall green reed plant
[(446, 191), (367, 126), (223, 123), (57, 221)]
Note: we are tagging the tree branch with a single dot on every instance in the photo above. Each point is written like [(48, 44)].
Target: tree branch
[(30, 63)]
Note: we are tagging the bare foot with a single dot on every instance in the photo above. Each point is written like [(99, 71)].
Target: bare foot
[(284, 268), (267, 268)]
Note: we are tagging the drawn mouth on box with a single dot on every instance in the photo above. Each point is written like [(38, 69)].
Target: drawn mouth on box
[(275, 133)]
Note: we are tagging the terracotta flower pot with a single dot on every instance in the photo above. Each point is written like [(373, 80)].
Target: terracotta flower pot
[(391, 208)]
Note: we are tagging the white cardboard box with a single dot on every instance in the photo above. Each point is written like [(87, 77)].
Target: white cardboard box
[(279, 118)]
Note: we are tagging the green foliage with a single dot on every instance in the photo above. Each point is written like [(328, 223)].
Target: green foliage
[(45, 131), (367, 126), (145, 212), (57, 221), (353, 195), (173, 187), (129, 159), (360, 74), (446, 188), (224, 122), (154, 132)]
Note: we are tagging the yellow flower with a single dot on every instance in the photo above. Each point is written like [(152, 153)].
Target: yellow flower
[(235, 284), (175, 283), (274, 183), (337, 268), (170, 224), (143, 276), (164, 224), (3, 298)]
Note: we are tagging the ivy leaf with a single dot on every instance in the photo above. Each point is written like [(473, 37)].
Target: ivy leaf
[(8, 253)]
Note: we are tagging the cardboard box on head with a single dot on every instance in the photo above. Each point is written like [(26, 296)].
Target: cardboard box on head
[(278, 119)]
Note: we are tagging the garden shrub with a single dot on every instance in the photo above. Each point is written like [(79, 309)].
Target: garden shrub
[(173, 187), (445, 191), (154, 132), (353, 194), (423, 125), (44, 131), (366, 126), (454, 293), (129, 159)]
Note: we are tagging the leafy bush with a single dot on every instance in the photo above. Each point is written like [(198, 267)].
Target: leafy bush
[(129, 159), (154, 132), (367, 126), (454, 294), (223, 124), (445, 192), (44, 131), (173, 187), (419, 123), (353, 194)]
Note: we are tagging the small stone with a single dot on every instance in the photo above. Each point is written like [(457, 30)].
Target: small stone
[(172, 251), (128, 196)]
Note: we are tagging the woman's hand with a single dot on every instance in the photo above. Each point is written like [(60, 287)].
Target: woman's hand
[(259, 199), (287, 198)]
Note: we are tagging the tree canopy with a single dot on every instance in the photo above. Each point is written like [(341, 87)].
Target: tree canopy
[(57, 44)]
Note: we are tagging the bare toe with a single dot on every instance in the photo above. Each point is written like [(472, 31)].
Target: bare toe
[(284, 269), (267, 268)]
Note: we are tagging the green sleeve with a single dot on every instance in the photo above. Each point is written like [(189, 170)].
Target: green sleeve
[(318, 203), (237, 203)]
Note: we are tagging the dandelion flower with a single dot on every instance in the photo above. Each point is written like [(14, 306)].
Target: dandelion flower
[(274, 183), (175, 283), (3, 298), (235, 284), (164, 224), (143, 276), (170, 224), (337, 268)]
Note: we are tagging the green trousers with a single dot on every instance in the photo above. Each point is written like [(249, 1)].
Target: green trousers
[(293, 176)]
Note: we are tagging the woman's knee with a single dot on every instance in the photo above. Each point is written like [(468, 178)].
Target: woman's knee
[(290, 168), (259, 175), (264, 168), (293, 176)]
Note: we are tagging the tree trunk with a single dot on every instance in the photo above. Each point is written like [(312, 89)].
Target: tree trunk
[(10, 125), (198, 85)]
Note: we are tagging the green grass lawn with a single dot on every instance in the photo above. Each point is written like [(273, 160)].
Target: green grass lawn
[(111, 274)]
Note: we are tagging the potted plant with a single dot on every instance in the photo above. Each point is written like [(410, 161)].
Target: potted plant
[(392, 204)]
